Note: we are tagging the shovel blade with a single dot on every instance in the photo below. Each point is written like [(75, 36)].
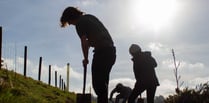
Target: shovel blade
[(83, 98)]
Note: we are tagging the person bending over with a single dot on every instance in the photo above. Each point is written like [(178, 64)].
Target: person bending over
[(123, 91), (93, 33)]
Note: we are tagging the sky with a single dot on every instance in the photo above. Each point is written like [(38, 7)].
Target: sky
[(156, 25)]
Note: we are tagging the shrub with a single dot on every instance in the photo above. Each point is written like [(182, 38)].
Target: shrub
[(198, 95)]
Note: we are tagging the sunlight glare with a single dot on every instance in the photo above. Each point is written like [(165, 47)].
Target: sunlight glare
[(154, 14)]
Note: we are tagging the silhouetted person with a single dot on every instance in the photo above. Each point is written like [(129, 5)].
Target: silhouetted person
[(146, 79), (93, 33), (123, 91)]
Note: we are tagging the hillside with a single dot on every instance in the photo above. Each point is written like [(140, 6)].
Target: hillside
[(15, 88)]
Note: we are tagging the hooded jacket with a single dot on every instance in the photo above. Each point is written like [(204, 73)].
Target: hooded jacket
[(144, 69)]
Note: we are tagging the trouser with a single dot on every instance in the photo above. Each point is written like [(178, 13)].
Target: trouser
[(138, 89), (118, 97), (102, 63)]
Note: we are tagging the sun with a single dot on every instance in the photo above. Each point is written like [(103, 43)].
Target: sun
[(154, 14)]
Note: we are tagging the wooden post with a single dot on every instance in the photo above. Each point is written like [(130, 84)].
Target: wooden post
[(49, 74), (1, 44), (55, 78), (68, 69), (64, 86), (25, 61), (60, 82), (39, 72)]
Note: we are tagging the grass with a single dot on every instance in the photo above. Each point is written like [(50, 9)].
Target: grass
[(15, 88)]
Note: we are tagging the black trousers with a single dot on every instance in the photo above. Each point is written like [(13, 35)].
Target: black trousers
[(138, 89), (102, 63)]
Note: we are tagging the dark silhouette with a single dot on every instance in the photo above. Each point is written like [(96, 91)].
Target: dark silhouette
[(146, 79), (93, 33), (123, 91)]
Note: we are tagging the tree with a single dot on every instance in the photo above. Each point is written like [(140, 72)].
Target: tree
[(177, 76)]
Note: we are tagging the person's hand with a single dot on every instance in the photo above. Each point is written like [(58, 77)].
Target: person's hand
[(85, 62)]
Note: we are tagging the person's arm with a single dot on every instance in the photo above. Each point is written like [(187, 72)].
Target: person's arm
[(150, 60), (85, 49), (111, 94)]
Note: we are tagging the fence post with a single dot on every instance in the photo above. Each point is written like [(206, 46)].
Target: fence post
[(68, 70), (39, 72), (25, 60), (64, 86), (1, 44), (49, 74), (60, 82), (55, 78)]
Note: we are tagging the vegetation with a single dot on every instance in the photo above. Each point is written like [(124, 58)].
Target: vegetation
[(177, 76), (198, 95), (17, 88)]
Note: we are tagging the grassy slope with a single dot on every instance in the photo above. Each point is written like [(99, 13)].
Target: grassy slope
[(18, 89)]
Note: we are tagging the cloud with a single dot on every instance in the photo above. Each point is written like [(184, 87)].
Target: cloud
[(191, 71), (36, 24), (7, 63), (32, 69), (155, 46), (167, 87), (197, 81), (126, 81)]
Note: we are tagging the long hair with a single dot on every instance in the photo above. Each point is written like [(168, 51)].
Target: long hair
[(70, 13)]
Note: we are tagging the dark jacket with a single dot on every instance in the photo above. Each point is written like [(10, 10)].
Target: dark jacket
[(143, 65)]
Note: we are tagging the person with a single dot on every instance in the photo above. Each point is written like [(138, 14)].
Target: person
[(93, 33), (123, 91), (146, 79)]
